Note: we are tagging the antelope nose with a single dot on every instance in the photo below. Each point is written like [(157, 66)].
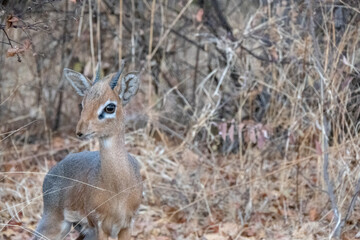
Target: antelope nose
[(79, 134)]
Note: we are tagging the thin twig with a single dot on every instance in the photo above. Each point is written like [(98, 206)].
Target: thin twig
[(148, 65), (15, 131), (91, 40), (133, 33), (325, 145), (163, 37), (195, 76), (352, 204), (98, 29), (81, 19), (9, 40), (120, 31)]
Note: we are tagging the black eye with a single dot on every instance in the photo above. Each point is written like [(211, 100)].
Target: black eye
[(110, 108)]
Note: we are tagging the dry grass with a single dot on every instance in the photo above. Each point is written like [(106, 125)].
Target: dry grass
[(245, 128)]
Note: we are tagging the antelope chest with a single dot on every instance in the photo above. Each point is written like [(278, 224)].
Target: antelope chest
[(110, 212), (115, 219)]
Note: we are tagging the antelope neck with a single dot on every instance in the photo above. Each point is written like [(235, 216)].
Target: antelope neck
[(113, 156)]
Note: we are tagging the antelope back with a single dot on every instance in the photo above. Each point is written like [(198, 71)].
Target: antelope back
[(103, 101)]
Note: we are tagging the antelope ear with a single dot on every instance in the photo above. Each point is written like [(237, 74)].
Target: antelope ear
[(129, 87), (77, 80)]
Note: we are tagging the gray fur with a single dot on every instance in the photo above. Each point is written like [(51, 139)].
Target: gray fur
[(97, 75), (64, 175), (77, 80), (135, 165), (115, 78), (129, 87), (71, 167)]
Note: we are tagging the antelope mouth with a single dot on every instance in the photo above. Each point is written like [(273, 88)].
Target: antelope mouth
[(88, 136)]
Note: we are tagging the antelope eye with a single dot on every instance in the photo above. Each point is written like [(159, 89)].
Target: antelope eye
[(110, 108)]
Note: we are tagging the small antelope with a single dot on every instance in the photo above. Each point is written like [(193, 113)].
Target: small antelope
[(96, 192)]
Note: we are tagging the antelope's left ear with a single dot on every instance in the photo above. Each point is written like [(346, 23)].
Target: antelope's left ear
[(129, 87)]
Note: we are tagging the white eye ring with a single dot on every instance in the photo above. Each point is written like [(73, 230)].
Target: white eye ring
[(107, 110)]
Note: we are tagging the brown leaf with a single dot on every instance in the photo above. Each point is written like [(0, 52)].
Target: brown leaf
[(177, 216), (249, 232), (313, 214), (318, 147), (273, 54), (241, 126), (27, 44), (330, 216), (16, 50), (13, 223), (199, 15), (10, 21), (261, 140), (12, 51), (229, 229)]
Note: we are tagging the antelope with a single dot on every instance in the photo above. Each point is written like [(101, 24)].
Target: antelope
[(97, 192)]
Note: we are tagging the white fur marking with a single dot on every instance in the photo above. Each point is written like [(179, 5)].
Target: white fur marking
[(115, 229), (107, 116), (74, 216), (107, 142), (65, 227)]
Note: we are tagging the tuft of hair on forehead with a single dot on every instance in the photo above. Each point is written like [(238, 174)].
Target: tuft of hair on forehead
[(93, 93), (101, 91)]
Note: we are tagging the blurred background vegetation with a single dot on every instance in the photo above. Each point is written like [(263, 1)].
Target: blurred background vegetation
[(246, 123)]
